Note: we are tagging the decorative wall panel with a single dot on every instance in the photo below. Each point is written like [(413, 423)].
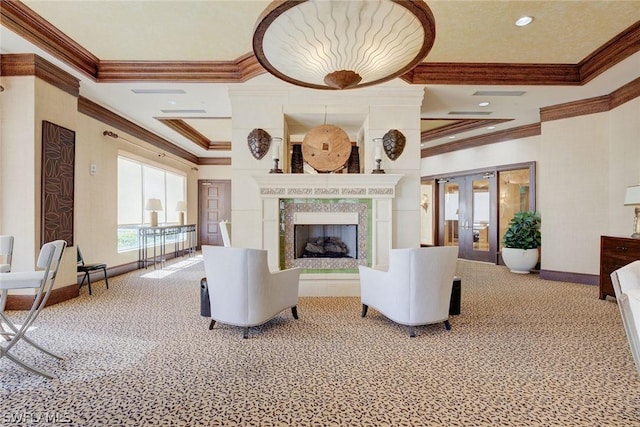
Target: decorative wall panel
[(58, 166)]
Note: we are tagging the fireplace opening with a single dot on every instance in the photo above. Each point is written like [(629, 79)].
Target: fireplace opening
[(325, 241)]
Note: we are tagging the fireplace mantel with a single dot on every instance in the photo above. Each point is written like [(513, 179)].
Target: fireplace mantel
[(377, 235), (327, 185)]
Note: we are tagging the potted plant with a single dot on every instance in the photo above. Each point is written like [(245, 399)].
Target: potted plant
[(521, 242)]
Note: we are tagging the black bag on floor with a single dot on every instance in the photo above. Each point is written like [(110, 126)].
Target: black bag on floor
[(205, 306)]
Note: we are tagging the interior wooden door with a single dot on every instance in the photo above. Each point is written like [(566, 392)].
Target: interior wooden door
[(214, 205)]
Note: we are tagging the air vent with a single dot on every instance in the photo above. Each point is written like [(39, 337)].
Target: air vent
[(470, 113), (183, 111), (499, 93), (158, 91)]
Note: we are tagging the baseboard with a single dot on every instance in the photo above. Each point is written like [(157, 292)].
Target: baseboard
[(24, 302), (64, 293), (563, 276)]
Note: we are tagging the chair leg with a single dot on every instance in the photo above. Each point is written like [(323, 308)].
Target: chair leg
[(106, 279), (245, 335), (83, 279), (365, 307), (447, 325), (89, 282), (294, 312), (213, 322), (26, 365), (412, 331)]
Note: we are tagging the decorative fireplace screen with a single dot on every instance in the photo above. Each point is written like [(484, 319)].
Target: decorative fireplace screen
[(325, 241)]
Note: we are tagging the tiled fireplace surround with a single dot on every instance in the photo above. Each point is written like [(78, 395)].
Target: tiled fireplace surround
[(369, 195)]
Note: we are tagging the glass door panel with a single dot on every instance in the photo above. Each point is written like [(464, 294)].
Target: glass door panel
[(515, 196), (469, 216), (481, 215), (451, 212)]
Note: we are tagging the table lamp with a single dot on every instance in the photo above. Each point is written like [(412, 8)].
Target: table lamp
[(153, 205), (181, 207)]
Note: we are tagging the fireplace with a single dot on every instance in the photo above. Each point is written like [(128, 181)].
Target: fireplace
[(325, 234), (325, 241), (362, 201)]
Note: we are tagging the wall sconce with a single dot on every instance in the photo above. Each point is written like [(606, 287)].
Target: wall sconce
[(181, 207), (275, 154), (377, 148), (425, 202), (632, 198), (153, 205)]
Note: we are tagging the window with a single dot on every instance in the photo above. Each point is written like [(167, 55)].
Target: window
[(137, 182)]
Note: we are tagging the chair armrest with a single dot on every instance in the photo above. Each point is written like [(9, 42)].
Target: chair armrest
[(372, 276), (287, 274), (22, 280), (373, 285)]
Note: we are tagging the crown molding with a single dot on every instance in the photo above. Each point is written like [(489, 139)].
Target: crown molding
[(597, 104), (525, 131), (214, 161), (237, 71), (458, 126), (30, 64), (493, 74), (91, 109), (184, 129), (615, 50), (29, 25)]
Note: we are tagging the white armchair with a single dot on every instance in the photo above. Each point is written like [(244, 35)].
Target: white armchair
[(626, 285), (242, 290), (417, 288)]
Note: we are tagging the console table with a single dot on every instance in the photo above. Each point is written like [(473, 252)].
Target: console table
[(185, 241), (615, 252)]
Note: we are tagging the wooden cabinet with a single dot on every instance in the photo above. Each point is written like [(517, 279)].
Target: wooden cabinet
[(615, 252)]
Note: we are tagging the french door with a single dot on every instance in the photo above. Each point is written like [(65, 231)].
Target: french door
[(468, 216)]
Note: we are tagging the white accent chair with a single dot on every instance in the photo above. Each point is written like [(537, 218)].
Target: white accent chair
[(225, 230), (242, 290), (42, 281), (6, 251), (626, 285), (416, 290)]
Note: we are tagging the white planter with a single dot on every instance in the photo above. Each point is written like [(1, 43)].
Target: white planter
[(520, 261)]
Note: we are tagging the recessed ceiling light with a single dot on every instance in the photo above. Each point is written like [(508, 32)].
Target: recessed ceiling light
[(171, 102), (422, 145), (491, 127), (452, 137), (523, 21), (483, 104)]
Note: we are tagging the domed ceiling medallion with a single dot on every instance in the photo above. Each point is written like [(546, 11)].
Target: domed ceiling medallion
[(343, 44)]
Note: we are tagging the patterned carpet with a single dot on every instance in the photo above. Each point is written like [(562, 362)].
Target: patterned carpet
[(523, 352)]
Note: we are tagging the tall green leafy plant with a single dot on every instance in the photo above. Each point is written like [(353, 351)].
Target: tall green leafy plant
[(523, 231)]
